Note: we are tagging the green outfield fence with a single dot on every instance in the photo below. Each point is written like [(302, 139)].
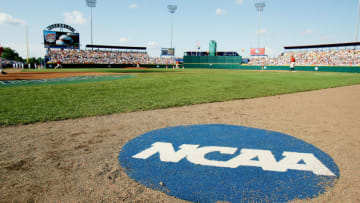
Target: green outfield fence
[(235, 62), (228, 64), (86, 66), (347, 69)]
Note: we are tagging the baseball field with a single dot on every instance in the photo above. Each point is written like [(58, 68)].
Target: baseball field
[(60, 138), (150, 89)]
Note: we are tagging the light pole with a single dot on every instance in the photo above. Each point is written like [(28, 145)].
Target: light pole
[(357, 25), (91, 4), (172, 9), (260, 8)]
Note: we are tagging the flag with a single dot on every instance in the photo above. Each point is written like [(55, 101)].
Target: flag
[(198, 45)]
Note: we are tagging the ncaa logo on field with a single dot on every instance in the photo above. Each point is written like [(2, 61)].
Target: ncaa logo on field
[(209, 163)]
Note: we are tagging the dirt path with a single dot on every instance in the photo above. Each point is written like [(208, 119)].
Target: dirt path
[(76, 160)]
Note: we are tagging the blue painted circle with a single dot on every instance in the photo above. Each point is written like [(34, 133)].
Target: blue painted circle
[(206, 183)]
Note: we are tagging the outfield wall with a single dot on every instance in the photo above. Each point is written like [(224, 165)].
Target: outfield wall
[(235, 62), (219, 62), (348, 69), (108, 65)]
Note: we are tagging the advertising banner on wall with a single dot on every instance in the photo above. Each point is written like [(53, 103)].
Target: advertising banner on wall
[(257, 52)]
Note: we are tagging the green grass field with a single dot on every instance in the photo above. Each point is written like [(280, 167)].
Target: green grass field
[(154, 89)]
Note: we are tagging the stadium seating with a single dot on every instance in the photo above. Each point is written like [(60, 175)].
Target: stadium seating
[(71, 56), (342, 57)]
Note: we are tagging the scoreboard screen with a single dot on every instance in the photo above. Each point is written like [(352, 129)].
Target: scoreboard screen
[(167, 52), (67, 40)]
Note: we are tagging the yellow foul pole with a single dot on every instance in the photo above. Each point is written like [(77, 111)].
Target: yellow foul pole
[(27, 44)]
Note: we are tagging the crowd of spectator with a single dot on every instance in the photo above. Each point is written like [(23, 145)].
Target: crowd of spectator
[(343, 57), (71, 56)]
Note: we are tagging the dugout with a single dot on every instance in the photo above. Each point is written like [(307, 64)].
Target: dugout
[(212, 59)]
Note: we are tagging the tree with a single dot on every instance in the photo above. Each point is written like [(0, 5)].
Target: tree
[(38, 60), (10, 54)]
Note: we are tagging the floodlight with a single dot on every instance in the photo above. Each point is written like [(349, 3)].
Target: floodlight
[(91, 4), (172, 8), (260, 8)]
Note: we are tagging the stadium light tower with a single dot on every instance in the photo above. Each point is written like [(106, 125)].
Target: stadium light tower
[(172, 9), (357, 25), (260, 8), (91, 4)]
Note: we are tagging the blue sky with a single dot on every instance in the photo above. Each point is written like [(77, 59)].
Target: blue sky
[(232, 23)]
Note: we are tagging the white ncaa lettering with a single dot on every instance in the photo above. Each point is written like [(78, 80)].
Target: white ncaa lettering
[(167, 152), (265, 158), (198, 156), (292, 159)]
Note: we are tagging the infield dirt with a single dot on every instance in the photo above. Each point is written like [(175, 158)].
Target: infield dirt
[(77, 160)]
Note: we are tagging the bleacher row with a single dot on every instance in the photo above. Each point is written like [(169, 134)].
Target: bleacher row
[(306, 58), (344, 57), (71, 56), (303, 58)]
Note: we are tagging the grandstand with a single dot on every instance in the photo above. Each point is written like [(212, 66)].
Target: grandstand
[(64, 47), (105, 54), (340, 54)]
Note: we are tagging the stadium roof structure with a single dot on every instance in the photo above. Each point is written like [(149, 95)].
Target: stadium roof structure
[(115, 47), (348, 44)]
